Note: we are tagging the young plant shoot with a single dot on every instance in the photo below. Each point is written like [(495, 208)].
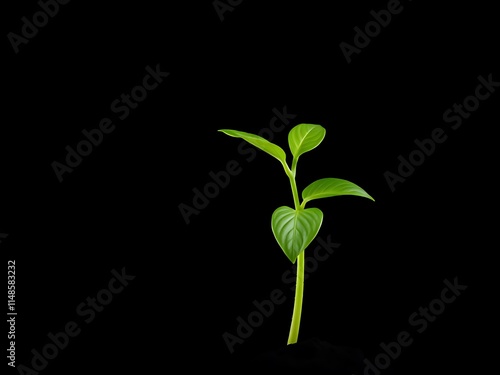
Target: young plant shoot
[(295, 228)]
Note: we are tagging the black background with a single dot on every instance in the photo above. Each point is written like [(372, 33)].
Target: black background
[(120, 206)]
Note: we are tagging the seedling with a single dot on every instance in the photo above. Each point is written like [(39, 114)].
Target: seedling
[(295, 228)]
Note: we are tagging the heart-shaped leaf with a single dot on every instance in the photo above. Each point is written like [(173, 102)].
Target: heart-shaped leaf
[(259, 142), (295, 229), (332, 187), (305, 137)]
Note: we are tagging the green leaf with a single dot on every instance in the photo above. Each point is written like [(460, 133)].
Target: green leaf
[(305, 137), (259, 142), (295, 229), (332, 187)]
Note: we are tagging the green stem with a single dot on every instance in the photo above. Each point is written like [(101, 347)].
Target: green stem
[(294, 165), (293, 184), (297, 307), (299, 290)]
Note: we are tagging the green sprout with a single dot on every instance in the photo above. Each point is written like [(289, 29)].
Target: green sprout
[(295, 228)]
